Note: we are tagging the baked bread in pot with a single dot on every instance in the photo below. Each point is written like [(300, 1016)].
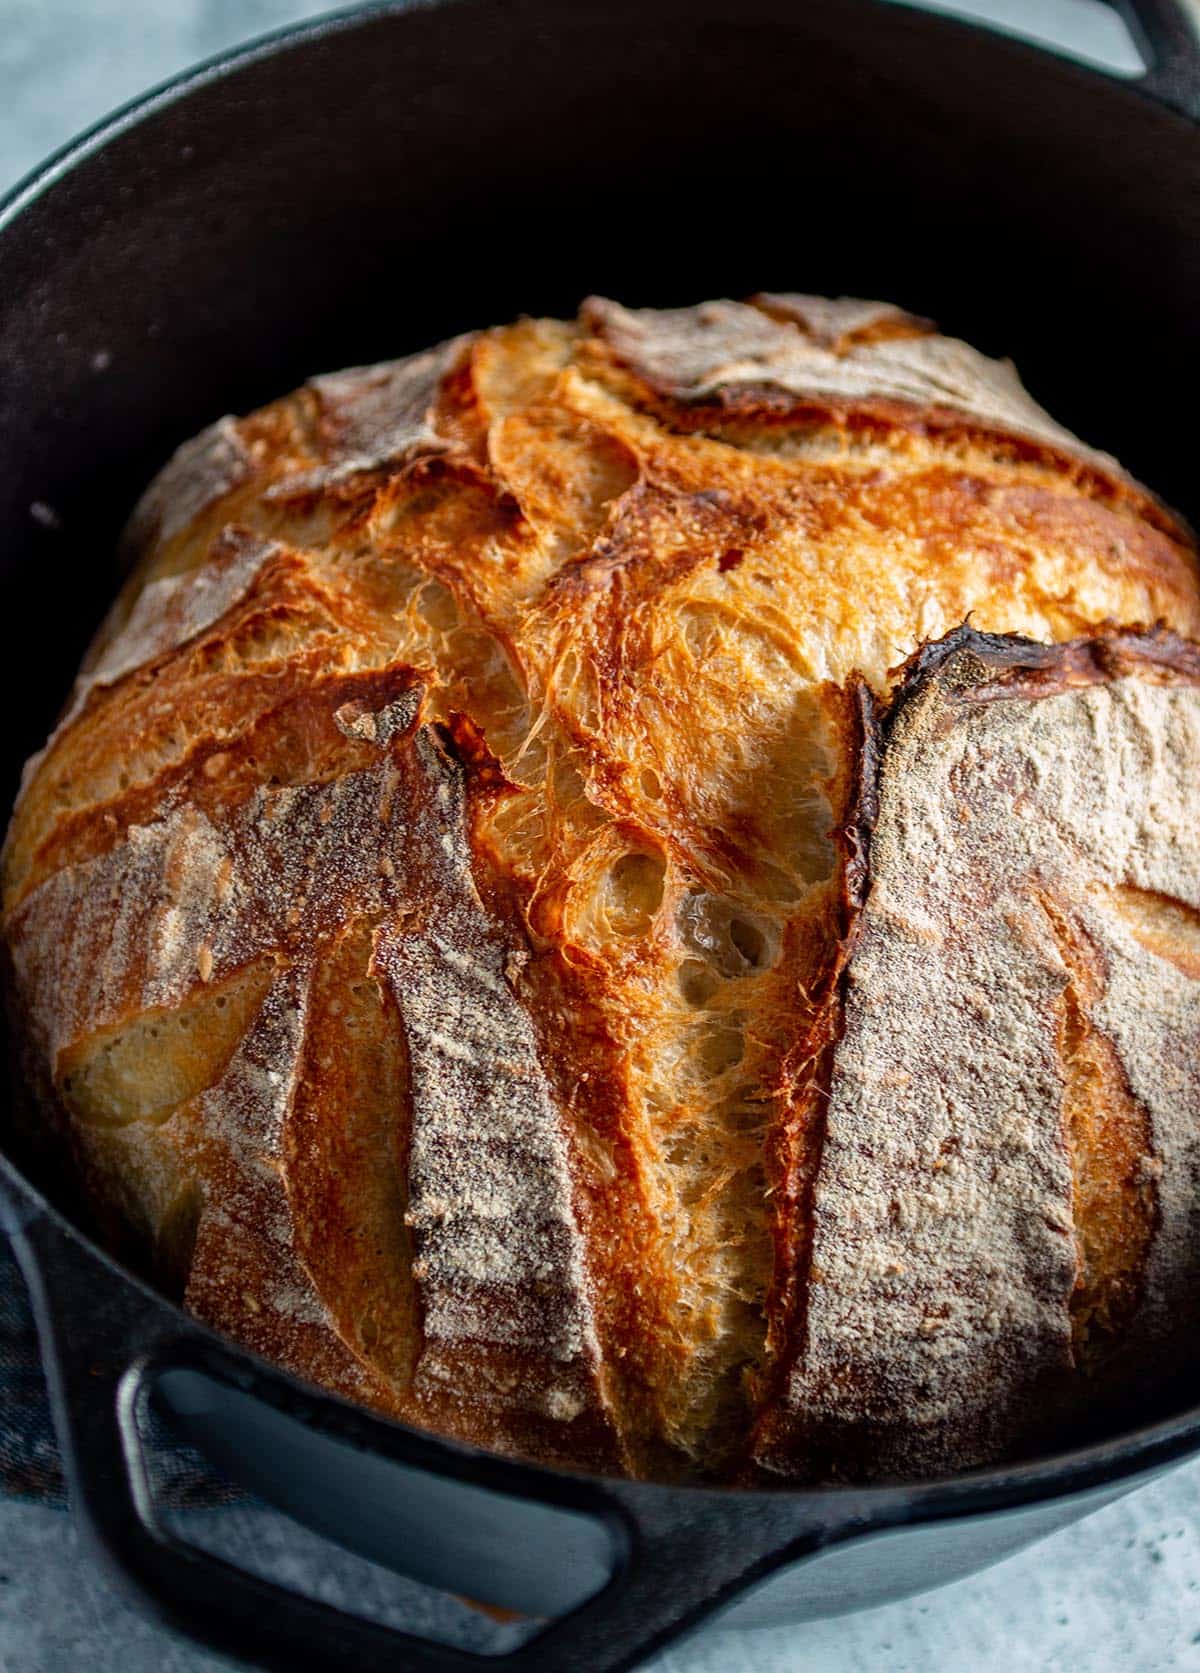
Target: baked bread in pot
[(626, 891)]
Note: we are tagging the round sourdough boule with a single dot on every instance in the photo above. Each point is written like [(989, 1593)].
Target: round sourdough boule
[(446, 931)]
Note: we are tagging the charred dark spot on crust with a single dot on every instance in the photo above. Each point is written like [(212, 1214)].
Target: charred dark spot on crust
[(729, 559), (465, 741), (991, 667), (854, 838)]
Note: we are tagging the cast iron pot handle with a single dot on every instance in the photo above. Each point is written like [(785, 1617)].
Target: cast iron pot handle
[(677, 1555), (1168, 33)]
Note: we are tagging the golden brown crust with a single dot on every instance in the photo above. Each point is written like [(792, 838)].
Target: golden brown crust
[(482, 746)]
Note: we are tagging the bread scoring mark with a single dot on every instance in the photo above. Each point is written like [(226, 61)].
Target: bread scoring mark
[(170, 612), (281, 871), (1169, 928), (278, 874), (144, 1068), (1150, 1010), (245, 1236), (499, 1257), (942, 1260), (281, 716), (236, 870), (345, 1148), (1110, 1141), (693, 354), (373, 418)]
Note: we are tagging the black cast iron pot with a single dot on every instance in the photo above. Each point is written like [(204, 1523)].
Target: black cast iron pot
[(367, 185)]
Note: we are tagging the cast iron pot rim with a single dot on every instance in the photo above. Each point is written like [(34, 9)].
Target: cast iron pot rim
[(1128, 1453), (163, 94)]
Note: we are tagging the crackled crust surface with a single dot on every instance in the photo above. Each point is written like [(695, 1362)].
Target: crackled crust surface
[(435, 926)]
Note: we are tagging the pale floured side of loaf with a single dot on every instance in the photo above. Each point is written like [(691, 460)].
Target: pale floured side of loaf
[(418, 921), (1030, 802)]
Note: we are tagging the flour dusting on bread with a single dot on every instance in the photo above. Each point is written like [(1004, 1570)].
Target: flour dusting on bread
[(944, 1267)]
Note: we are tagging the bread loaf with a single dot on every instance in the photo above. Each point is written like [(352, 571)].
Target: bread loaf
[(498, 931)]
